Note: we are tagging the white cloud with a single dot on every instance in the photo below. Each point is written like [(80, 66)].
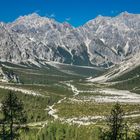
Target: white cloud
[(68, 19), (52, 15)]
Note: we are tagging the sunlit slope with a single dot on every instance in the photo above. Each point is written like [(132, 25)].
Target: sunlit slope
[(48, 73), (129, 80)]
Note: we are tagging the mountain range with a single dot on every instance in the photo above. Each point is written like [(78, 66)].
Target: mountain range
[(103, 41)]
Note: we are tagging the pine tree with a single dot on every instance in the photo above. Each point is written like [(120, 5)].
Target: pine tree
[(137, 134), (115, 122), (14, 115), (116, 125)]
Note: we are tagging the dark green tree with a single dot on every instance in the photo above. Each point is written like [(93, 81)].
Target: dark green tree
[(116, 125), (13, 116), (137, 134), (3, 129)]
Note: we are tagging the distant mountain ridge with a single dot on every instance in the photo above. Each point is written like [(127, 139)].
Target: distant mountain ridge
[(103, 41)]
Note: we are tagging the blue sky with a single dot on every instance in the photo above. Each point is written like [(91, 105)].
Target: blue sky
[(76, 12)]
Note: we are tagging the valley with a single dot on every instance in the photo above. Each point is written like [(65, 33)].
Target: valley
[(64, 93)]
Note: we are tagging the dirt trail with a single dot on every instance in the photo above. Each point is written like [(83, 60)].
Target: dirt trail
[(25, 91), (115, 96)]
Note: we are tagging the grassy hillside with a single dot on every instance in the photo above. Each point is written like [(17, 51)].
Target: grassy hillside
[(31, 74), (129, 81)]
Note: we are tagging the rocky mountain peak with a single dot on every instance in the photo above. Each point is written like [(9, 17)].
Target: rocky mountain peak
[(103, 41)]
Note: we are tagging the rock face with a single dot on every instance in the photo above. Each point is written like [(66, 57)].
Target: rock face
[(7, 75), (102, 41)]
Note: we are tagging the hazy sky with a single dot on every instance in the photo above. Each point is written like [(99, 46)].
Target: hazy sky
[(76, 12)]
